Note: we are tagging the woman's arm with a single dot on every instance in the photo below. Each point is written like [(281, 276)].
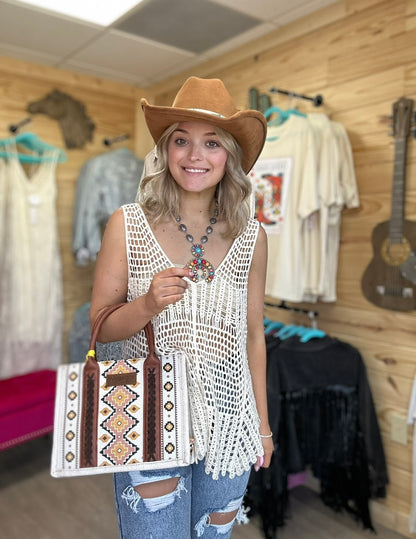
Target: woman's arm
[(256, 346), (111, 283)]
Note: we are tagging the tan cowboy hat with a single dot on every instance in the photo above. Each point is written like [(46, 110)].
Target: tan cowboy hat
[(207, 100)]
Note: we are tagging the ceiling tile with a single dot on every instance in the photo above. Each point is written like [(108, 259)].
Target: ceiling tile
[(174, 69), (104, 73), (128, 55), (194, 26), (41, 32), (263, 9), (29, 55), (235, 42), (301, 9)]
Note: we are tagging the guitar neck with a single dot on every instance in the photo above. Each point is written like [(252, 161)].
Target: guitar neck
[(398, 194)]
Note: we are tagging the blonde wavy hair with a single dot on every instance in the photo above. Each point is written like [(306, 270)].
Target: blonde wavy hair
[(159, 196)]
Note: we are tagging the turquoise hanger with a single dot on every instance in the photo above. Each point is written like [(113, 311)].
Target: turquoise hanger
[(272, 326), (35, 144), (288, 331), (311, 333), (282, 115), (305, 333), (266, 322)]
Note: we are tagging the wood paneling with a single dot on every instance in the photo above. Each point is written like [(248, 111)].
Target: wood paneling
[(38, 73)]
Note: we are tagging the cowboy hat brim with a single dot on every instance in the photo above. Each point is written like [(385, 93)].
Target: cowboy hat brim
[(248, 127)]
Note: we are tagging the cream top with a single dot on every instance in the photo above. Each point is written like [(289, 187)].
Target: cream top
[(209, 327)]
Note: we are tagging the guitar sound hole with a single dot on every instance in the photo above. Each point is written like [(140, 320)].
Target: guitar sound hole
[(395, 254)]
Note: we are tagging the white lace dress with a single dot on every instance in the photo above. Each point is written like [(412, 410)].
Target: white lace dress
[(31, 283)]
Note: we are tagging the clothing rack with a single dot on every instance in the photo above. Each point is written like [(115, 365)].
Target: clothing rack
[(317, 100), (40, 150), (14, 128), (119, 138), (312, 315)]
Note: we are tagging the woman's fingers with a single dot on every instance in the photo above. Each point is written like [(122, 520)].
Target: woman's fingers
[(167, 287)]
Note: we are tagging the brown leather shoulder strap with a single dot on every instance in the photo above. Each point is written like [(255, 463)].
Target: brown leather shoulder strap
[(99, 322), (148, 330), (152, 401)]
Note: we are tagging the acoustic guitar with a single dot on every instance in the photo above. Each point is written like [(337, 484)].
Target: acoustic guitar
[(389, 281)]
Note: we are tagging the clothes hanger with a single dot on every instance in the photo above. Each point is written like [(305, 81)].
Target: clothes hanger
[(305, 333), (24, 158), (282, 115), (288, 331), (35, 144), (292, 109), (311, 333), (271, 326)]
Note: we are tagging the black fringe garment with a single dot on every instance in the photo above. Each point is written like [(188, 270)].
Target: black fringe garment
[(323, 418)]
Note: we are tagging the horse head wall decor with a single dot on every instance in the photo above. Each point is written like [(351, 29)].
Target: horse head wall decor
[(77, 128)]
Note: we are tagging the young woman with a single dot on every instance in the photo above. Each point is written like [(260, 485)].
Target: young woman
[(188, 256)]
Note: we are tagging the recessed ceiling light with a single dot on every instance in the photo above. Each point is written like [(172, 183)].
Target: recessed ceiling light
[(95, 11)]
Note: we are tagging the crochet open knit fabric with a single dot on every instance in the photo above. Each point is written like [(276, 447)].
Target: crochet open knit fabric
[(209, 327)]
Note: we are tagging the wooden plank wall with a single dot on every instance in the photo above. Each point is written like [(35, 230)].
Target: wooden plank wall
[(111, 106), (360, 55)]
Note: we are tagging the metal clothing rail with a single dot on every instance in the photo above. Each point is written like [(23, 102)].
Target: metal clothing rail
[(119, 138), (15, 127), (317, 100), (312, 315)]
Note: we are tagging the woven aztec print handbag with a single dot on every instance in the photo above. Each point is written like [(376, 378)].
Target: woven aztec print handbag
[(122, 415)]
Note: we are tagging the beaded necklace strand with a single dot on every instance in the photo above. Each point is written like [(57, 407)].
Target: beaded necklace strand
[(199, 268)]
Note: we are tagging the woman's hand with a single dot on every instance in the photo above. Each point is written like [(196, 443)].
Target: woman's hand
[(167, 287), (264, 461)]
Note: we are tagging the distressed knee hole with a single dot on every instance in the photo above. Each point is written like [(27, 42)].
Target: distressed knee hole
[(157, 488), (160, 495), (219, 519), (223, 520)]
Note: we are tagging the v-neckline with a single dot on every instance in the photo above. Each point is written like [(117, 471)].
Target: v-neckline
[(29, 178), (168, 260), (32, 178)]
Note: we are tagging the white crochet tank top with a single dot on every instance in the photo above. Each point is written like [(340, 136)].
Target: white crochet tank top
[(209, 326)]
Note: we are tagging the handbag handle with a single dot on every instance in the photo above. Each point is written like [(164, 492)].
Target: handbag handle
[(148, 330)]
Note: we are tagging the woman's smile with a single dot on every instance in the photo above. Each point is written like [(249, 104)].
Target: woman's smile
[(195, 170)]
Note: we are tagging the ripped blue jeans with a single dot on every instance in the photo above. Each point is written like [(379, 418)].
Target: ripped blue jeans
[(185, 512)]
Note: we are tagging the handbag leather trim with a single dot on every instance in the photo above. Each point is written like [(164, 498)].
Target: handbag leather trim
[(90, 393), (152, 450), (90, 396), (122, 379)]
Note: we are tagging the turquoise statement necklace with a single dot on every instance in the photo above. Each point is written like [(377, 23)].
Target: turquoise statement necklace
[(199, 267)]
